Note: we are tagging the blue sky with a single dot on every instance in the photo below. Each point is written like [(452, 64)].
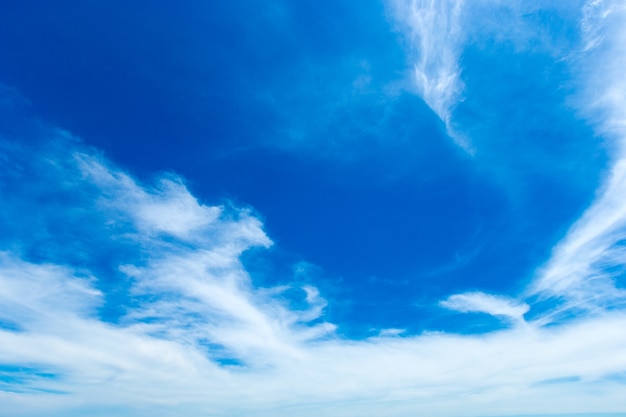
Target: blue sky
[(347, 208)]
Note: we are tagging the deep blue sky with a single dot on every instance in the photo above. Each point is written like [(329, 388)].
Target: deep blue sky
[(265, 107)]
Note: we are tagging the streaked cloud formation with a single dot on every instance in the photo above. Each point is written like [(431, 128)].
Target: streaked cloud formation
[(435, 34), (586, 267), (128, 296)]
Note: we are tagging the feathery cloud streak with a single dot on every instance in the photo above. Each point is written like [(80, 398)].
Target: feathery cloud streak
[(587, 267), (435, 35)]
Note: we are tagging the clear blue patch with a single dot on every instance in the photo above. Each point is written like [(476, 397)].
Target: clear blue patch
[(27, 379), (562, 380), (229, 362), (10, 326), (619, 377), (221, 355), (16, 372), (554, 309), (467, 323)]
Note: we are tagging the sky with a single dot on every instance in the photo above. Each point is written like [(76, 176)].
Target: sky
[(299, 208)]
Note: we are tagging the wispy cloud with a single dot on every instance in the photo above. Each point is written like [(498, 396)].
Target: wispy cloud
[(435, 35), (478, 302), (586, 267)]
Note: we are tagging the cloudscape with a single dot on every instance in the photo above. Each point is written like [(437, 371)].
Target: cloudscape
[(300, 208)]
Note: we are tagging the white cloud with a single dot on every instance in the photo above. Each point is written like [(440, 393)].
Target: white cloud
[(604, 86), (166, 208), (478, 302), (434, 31), (32, 292), (585, 265), (391, 332)]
